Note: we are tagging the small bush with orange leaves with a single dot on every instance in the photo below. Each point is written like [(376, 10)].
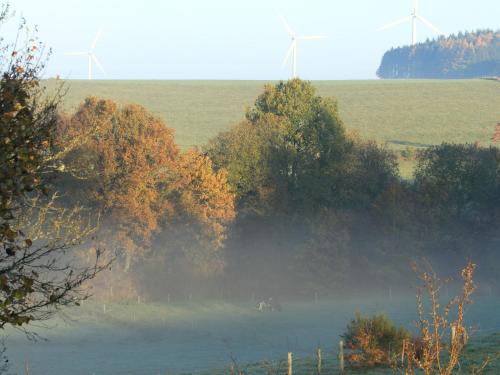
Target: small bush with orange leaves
[(374, 341)]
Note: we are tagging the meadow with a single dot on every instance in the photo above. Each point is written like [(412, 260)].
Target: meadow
[(206, 337), (400, 113)]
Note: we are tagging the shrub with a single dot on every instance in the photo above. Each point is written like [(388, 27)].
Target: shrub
[(374, 341)]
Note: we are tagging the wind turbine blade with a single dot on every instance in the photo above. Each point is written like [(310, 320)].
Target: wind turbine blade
[(430, 25), (75, 53), (96, 39), (395, 23), (312, 37), (289, 53), (94, 58), (287, 26)]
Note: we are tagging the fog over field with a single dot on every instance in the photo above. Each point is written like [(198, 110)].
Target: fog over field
[(206, 337)]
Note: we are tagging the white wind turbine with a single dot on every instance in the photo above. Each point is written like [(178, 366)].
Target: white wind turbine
[(90, 55), (292, 50), (413, 18)]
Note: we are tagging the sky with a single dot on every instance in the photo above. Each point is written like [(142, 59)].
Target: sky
[(236, 39)]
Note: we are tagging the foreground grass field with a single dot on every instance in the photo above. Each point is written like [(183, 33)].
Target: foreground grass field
[(204, 337), (478, 351), (401, 113)]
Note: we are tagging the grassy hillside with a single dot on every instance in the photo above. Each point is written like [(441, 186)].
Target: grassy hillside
[(414, 113)]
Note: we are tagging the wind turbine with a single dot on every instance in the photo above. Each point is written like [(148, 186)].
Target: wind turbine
[(90, 55), (413, 18), (292, 50)]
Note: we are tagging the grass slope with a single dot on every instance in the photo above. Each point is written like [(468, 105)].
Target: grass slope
[(402, 113)]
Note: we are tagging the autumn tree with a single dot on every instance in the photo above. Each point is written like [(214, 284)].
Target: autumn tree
[(120, 170), (131, 170), (38, 269), (204, 208)]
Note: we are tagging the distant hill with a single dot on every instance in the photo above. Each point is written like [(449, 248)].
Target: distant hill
[(465, 55)]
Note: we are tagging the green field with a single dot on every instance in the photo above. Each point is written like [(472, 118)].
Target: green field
[(414, 113), (204, 337)]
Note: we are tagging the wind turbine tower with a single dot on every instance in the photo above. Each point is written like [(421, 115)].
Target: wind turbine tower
[(413, 18), (292, 50), (92, 58)]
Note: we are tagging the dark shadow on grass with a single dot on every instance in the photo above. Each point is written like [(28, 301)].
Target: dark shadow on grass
[(408, 143)]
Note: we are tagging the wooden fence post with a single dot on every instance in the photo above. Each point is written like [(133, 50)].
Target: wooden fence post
[(290, 364), (341, 356), (318, 356)]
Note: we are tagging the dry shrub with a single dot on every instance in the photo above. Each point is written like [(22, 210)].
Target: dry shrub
[(374, 341), (431, 353)]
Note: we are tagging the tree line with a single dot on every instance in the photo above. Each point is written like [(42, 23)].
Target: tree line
[(319, 208), (286, 202), (464, 55)]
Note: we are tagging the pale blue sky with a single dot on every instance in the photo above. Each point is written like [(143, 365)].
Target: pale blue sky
[(236, 39)]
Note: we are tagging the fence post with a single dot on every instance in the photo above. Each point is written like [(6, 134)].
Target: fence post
[(318, 356), (290, 364), (341, 356)]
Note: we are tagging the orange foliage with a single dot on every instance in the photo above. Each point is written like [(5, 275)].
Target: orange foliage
[(496, 134), (205, 195), (366, 352), (136, 175)]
